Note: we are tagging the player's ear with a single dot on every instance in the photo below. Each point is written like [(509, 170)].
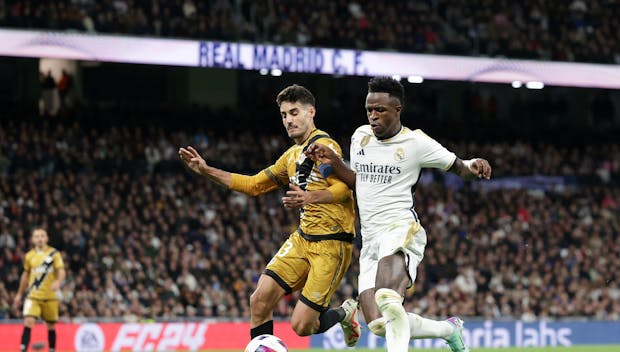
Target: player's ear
[(399, 108), (312, 110)]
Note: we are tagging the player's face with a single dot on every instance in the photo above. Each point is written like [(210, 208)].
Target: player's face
[(39, 238), (298, 120), (383, 114)]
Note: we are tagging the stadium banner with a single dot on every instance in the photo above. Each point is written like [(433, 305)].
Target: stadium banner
[(282, 58), (181, 336), (486, 334)]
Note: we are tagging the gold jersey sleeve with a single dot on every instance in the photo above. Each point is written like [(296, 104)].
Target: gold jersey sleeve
[(265, 181), (42, 269), (315, 219)]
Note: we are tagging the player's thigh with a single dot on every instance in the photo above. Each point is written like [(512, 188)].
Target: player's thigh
[(290, 266), (400, 251), (329, 261), (49, 311), (32, 308), (266, 295)]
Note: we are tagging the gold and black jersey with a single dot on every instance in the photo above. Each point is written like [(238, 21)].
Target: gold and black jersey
[(42, 267), (294, 167)]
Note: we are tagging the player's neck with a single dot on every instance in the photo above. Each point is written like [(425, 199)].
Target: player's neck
[(40, 249), (301, 140), (390, 135)]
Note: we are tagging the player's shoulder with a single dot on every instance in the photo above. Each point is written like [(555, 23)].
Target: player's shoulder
[(29, 254), (322, 137), (421, 136), (325, 139), (363, 130)]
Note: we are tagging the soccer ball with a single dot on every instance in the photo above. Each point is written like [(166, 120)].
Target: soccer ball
[(266, 343)]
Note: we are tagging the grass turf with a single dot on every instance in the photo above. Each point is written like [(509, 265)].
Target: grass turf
[(605, 348)]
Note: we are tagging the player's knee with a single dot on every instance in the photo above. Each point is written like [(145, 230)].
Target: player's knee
[(303, 328), (29, 322), (50, 326), (377, 326), (259, 303)]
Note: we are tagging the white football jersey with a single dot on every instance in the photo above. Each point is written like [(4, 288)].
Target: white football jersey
[(387, 172)]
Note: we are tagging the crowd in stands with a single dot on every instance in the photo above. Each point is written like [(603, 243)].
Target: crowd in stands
[(142, 237), (565, 30)]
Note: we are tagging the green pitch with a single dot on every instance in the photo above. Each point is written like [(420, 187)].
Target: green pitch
[(610, 348), (607, 348)]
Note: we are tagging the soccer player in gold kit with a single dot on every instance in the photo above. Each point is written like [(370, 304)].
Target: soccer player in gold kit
[(316, 255), (43, 274)]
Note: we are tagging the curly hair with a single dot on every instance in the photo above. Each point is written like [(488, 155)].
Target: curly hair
[(387, 85)]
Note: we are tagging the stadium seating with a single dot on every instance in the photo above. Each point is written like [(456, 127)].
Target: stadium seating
[(575, 30)]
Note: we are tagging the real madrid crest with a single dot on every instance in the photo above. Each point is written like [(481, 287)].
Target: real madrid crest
[(399, 155)]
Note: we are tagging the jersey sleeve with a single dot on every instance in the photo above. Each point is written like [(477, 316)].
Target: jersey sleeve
[(265, 181), (58, 262), (27, 266), (432, 154)]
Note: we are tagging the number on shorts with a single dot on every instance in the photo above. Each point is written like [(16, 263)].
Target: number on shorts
[(288, 245)]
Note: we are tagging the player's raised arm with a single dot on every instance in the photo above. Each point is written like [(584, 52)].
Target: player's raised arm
[(196, 163), (471, 169), (325, 155)]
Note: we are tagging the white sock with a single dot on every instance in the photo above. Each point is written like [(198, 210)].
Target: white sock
[(422, 328), (397, 331)]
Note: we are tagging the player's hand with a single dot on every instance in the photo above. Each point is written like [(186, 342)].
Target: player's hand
[(193, 160), (321, 153), (55, 286), (480, 168), (295, 197), (17, 301)]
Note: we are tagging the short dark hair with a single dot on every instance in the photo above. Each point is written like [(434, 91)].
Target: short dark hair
[(295, 93), (387, 85)]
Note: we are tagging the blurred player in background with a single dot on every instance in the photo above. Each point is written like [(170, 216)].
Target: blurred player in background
[(44, 272), (387, 159), (315, 256)]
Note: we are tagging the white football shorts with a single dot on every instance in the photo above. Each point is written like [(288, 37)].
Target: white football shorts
[(408, 237)]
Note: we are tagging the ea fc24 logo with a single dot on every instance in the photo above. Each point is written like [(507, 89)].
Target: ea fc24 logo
[(89, 338)]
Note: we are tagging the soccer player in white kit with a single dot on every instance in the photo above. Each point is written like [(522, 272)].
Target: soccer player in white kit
[(386, 160)]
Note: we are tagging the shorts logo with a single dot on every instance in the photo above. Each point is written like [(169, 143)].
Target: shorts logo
[(89, 338), (399, 155)]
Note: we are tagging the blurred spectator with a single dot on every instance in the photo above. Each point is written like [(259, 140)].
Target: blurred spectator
[(49, 94), (65, 84)]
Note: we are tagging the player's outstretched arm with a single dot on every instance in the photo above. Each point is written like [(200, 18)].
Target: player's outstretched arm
[(471, 169), (325, 155), (196, 163)]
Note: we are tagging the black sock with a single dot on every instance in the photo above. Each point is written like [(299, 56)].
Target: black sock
[(25, 339), (51, 339), (262, 329), (330, 318)]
